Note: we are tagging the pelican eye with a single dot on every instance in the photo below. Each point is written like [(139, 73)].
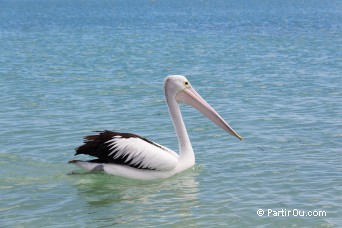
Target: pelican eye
[(186, 83)]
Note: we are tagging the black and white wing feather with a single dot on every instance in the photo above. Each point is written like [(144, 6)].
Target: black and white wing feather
[(128, 149)]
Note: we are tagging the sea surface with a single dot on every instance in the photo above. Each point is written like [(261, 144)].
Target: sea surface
[(272, 69)]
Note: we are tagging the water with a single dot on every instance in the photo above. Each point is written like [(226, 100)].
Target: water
[(271, 69)]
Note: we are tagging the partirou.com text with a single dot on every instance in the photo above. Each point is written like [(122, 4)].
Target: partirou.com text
[(293, 212)]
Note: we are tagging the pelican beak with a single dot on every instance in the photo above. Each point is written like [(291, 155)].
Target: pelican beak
[(191, 97)]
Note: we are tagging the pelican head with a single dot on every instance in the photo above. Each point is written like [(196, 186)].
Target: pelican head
[(179, 88)]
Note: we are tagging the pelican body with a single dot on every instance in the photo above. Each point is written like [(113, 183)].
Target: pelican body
[(135, 157)]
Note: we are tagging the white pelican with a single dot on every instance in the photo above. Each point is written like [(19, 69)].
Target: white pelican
[(131, 156)]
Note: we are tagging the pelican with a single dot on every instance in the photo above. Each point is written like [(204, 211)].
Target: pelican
[(132, 156)]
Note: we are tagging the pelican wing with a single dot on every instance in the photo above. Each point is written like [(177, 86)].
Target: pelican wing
[(128, 149)]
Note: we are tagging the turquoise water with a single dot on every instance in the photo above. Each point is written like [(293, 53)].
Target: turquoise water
[(271, 69)]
